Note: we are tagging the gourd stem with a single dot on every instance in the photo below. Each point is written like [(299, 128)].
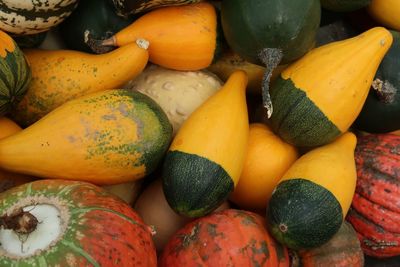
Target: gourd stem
[(98, 46), (271, 58), (385, 91), (20, 221)]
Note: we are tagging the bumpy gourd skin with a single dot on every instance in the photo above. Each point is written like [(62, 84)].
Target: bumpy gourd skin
[(252, 25)]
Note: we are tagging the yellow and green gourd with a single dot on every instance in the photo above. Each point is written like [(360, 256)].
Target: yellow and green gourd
[(318, 97), (206, 157)]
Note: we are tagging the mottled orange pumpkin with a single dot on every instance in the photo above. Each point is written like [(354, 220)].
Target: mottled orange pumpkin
[(227, 238)]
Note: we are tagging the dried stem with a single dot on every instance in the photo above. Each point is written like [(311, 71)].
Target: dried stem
[(270, 57)]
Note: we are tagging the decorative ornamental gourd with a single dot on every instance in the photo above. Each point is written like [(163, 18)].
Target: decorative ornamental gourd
[(375, 212), (69, 223), (226, 238), (312, 198), (318, 97), (23, 17), (15, 73)]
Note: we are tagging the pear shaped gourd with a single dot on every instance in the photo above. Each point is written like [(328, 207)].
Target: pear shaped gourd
[(318, 97), (62, 75), (206, 157), (107, 137), (313, 197)]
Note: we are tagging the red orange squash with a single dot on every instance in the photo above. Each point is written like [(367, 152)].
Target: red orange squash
[(227, 238), (375, 210)]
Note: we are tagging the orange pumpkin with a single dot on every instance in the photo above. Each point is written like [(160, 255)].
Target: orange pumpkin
[(226, 238), (267, 158)]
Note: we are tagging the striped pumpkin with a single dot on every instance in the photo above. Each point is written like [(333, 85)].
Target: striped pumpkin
[(22, 17), (68, 224), (15, 73)]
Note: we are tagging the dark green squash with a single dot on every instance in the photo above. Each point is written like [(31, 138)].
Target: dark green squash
[(344, 5), (31, 40), (93, 20), (381, 111), (252, 25), (128, 7), (15, 73)]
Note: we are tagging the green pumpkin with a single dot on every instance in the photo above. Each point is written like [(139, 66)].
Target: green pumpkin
[(381, 110), (15, 73), (92, 21), (253, 25)]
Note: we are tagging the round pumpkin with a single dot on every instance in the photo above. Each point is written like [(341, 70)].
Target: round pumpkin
[(15, 73), (69, 223), (375, 213), (267, 158), (227, 238), (342, 250), (9, 179)]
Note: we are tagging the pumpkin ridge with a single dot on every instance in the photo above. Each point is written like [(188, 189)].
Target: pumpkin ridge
[(80, 251)]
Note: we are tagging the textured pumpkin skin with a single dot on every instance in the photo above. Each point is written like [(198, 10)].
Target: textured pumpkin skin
[(9, 179), (342, 250), (378, 115), (29, 17), (375, 213), (227, 238), (101, 229), (314, 101), (110, 137), (59, 76), (15, 73), (252, 25)]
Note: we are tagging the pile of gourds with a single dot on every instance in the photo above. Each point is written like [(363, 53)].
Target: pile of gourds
[(266, 130)]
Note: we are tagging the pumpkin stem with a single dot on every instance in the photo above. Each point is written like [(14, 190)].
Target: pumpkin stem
[(386, 91), (20, 221), (96, 45), (270, 57)]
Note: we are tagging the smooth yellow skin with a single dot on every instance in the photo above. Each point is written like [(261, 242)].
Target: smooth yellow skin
[(268, 157), (65, 143), (386, 12), (181, 37), (338, 76), (8, 127), (218, 130), (331, 166), (61, 75)]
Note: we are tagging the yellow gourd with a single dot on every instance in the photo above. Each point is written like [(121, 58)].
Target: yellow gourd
[(267, 159), (206, 157), (314, 195), (181, 37), (62, 75), (107, 137), (318, 97)]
